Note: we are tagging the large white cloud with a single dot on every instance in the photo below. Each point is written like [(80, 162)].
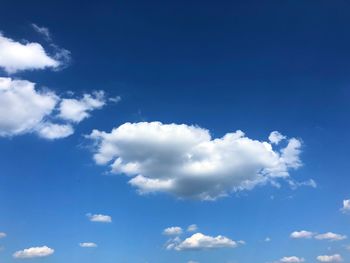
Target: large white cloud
[(34, 252), (25, 109), (200, 241), (330, 258), (292, 259), (16, 56), (185, 161)]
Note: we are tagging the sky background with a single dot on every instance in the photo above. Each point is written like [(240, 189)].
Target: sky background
[(255, 66)]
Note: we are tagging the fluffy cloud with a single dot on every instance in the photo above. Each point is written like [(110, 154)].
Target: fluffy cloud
[(15, 56), (34, 252), (330, 236), (302, 234), (76, 110), (192, 228), (99, 218), (185, 161), (3, 235), (172, 231), (87, 244), (275, 137), (330, 258), (346, 206), (292, 259), (199, 241), (25, 109)]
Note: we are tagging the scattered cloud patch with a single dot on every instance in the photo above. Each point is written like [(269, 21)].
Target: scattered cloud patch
[(200, 241), (34, 252), (3, 235), (275, 137), (99, 218), (88, 245), (330, 258), (43, 31), (16, 56), (26, 109), (302, 234), (292, 259), (267, 239), (346, 206), (330, 236), (192, 228), (187, 162), (76, 110), (172, 231)]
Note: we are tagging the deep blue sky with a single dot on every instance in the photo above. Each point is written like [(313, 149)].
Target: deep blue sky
[(257, 66)]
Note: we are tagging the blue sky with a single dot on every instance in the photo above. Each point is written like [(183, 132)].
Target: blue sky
[(122, 123)]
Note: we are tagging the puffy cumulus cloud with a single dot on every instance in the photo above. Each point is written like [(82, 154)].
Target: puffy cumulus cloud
[(99, 218), (88, 245), (330, 236), (187, 162), (346, 206), (25, 109), (330, 258), (275, 137), (3, 235), (199, 241), (192, 228), (302, 234), (172, 231), (76, 110), (34, 252), (16, 56), (292, 259)]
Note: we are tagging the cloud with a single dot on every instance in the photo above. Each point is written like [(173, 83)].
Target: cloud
[(330, 236), (192, 228), (330, 258), (76, 110), (172, 231), (3, 235), (15, 56), (302, 234), (87, 245), (25, 109), (346, 206), (267, 239), (187, 162), (43, 31), (292, 259), (199, 241), (191, 261), (99, 218), (275, 137), (34, 252)]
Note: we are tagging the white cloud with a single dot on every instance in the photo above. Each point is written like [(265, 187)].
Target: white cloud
[(22, 108), (267, 239), (172, 231), (88, 244), (76, 110), (185, 161), (3, 235), (199, 241), (330, 258), (302, 234), (99, 218), (15, 56), (330, 236), (43, 31), (275, 137), (192, 228), (34, 252), (54, 131), (346, 206), (25, 109), (292, 259)]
